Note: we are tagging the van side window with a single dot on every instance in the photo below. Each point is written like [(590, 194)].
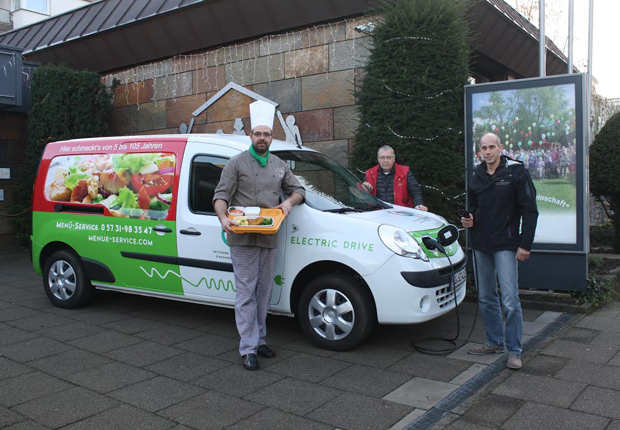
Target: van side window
[(205, 175)]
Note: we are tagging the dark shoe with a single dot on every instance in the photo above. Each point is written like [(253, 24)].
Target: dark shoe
[(250, 362), (265, 351)]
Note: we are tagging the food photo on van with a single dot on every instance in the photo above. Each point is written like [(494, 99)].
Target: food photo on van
[(135, 215)]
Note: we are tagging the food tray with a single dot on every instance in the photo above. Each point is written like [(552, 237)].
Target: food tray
[(276, 214)]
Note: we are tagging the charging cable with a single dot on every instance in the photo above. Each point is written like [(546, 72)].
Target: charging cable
[(432, 244)]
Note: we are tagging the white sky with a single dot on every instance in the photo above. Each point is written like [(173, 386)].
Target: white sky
[(605, 58)]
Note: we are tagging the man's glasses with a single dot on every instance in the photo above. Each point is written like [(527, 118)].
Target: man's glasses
[(263, 134), (385, 157)]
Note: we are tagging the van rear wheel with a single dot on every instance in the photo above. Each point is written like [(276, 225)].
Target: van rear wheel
[(65, 281), (336, 312)]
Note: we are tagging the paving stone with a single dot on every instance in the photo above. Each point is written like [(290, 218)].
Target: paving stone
[(308, 367), (608, 339), (530, 314), (71, 331), (579, 351), (100, 317), (104, 342), (11, 335), (143, 354), (69, 362), (421, 393), (431, 367), (540, 389), (187, 315), (17, 295), (306, 346), (319, 92), (169, 335), (606, 312), (10, 368), (27, 387), (468, 373), (615, 361), (461, 354), (109, 377), (272, 419), (597, 323), (157, 393), (532, 328), (187, 366), (543, 365), (356, 412), (208, 344), (548, 317), (39, 322), (225, 328), (599, 401), (210, 411), (408, 419), (33, 349), (17, 313), (236, 381), (600, 375), (366, 380), (372, 356), (26, 425), (533, 415), (583, 335), (65, 407), (8, 417), (294, 396), (133, 325), (615, 425), (466, 425), (123, 417), (492, 410)]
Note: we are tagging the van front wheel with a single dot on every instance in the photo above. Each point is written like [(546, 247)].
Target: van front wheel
[(65, 281), (336, 312)]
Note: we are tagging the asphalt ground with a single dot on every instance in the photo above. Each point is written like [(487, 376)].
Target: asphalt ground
[(132, 362)]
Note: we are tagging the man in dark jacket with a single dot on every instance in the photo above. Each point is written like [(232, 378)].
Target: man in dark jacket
[(392, 182), (502, 198)]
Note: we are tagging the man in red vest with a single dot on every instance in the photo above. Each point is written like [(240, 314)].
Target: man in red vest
[(392, 182)]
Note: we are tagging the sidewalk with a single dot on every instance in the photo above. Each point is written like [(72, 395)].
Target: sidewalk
[(130, 362)]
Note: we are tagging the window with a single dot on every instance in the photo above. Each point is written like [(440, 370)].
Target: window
[(41, 6), (206, 172)]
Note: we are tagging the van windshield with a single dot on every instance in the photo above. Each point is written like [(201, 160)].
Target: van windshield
[(329, 186)]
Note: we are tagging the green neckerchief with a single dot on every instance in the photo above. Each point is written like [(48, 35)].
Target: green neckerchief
[(262, 159)]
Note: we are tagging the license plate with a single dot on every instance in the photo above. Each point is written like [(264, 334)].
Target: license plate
[(460, 277)]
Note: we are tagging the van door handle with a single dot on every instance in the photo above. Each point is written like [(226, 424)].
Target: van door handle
[(190, 232), (162, 229)]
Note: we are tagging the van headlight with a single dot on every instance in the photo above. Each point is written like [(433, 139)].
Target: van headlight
[(400, 242)]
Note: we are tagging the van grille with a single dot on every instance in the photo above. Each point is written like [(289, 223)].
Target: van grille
[(445, 296)]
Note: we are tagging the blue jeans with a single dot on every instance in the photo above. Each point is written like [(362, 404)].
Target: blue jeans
[(502, 266)]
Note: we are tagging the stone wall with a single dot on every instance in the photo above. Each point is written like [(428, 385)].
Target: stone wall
[(312, 73)]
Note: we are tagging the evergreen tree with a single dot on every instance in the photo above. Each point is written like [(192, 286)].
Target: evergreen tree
[(66, 104), (412, 94), (605, 170)]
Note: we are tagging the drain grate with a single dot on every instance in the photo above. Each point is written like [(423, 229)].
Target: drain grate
[(457, 397)]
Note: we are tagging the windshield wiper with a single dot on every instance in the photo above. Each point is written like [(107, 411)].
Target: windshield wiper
[(342, 210), (374, 207)]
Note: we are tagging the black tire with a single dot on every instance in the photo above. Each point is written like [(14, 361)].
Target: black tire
[(65, 281), (338, 326)]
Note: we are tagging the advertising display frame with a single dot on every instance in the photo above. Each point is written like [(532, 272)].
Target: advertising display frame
[(549, 258)]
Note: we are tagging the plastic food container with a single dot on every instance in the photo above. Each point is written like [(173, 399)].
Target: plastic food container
[(276, 215), (252, 211), (236, 211)]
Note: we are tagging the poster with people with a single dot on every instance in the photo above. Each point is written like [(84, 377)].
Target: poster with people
[(540, 123)]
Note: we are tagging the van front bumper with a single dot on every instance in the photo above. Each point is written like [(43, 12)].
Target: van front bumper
[(411, 297)]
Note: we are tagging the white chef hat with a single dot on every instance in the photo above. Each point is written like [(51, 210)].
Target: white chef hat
[(262, 113)]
